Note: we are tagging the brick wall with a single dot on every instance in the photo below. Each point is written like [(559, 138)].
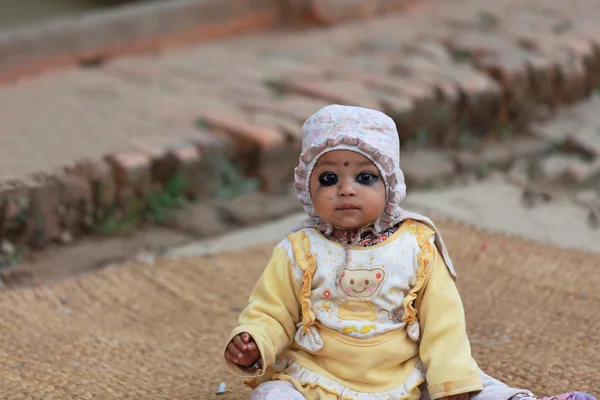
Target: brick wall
[(144, 27)]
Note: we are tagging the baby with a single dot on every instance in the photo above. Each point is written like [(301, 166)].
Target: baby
[(359, 301)]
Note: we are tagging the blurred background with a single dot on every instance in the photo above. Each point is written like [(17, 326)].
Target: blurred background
[(134, 131), (24, 12)]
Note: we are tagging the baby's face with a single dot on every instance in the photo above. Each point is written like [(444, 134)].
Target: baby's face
[(347, 189)]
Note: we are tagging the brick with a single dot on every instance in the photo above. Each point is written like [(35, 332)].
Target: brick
[(511, 73), (100, 175), (279, 68), (15, 195), (432, 50), (186, 160), (132, 173), (276, 167), (254, 208), (557, 130), (45, 224), (295, 12), (290, 128), (197, 159), (501, 155), (401, 109), (213, 151), (477, 46), (130, 30), (570, 65), (198, 220), (395, 5), (554, 166), (336, 11), (505, 62), (482, 94), (157, 148), (337, 91), (586, 139), (257, 146), (581, 172), (584, 50), (77, 200), (423, 82), (497, 156), (244, 133), (543, 77), (231, 86), (295, 107), (412, 102), (528, 147), (424, 168)]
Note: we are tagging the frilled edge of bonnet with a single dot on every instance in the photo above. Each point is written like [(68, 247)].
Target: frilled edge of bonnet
[(395, 189)]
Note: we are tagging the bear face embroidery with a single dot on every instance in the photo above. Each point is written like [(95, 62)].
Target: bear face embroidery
[(361, 284), (357, 288)]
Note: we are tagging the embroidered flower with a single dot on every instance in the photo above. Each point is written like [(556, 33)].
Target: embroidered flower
[(327, 293)]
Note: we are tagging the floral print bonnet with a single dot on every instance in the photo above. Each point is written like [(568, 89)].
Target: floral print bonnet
[(372, 134)]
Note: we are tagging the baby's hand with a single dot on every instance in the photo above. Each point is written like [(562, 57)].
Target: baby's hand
[(242, 350), (462, 396)]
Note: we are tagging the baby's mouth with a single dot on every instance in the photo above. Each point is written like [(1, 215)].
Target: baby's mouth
[(356, 291), (348, 207)]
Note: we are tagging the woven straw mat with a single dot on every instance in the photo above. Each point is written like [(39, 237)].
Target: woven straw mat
[(157, 332)]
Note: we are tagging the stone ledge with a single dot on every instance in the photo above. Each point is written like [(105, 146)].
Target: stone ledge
[(127, 29), (137, 28)]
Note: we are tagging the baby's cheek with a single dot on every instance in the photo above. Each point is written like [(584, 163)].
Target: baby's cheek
[(347, 290), (372, 290)]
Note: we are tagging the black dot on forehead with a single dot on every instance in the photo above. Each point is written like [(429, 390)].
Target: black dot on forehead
[(346, 164)]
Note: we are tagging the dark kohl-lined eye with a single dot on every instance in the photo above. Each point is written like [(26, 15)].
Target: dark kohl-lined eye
[(328, 179), (366, 178)]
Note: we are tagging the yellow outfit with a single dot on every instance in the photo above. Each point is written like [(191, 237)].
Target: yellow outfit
[(377, 328)]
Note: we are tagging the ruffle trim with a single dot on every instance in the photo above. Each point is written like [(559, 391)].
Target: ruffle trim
[(423, 233), (313, 379), (309, 266)]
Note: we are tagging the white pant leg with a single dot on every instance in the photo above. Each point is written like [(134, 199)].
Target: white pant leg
[(493, 389), (276, 390)]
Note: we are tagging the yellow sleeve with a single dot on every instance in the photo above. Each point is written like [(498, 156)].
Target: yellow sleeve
[(272, 313), (445, 349)]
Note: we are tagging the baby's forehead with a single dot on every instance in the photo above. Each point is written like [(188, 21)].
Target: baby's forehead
[(343, 157)]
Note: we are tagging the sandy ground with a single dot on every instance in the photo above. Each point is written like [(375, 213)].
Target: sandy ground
[(157, 331)]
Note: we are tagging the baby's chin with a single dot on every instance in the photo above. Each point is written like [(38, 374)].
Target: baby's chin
[(347, 227)]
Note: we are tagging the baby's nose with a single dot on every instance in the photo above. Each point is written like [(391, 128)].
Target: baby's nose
[(347, 189)]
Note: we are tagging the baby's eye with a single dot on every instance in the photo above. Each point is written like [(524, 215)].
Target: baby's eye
[(366, 178), (328, 179)]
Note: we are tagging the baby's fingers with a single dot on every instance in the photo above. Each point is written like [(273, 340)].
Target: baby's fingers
[(229, 357), (234, 351), (246, 337), (240, 343)]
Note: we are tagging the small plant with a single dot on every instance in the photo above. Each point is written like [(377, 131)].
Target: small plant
[(505, 133), (488, 20), (482, 170), (462, 56), (276, 85), (156, 205), (153, 206), (234, 183), (466, 140), (420, 138)]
